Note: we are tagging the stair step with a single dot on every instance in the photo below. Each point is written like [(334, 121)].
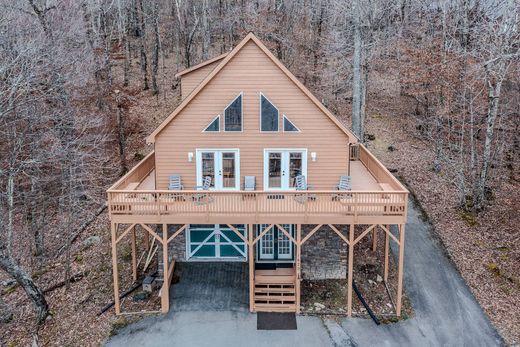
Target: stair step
[(274, 279), (274, 290), (264, 297), (275, 307)]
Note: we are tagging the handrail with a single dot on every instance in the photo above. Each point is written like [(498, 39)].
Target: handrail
[(137, 173), (378, 170)]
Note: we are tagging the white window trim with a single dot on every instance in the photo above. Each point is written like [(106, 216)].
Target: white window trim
[(283, 126), (241, 114), (211, 122), (198, 171), (266, 166), (260, 113)]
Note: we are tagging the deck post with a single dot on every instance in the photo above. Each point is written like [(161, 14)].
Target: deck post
[(400, 270), (350, 269), (113, 229), (134, 254), (387, 246), (374, 239), (146, 236), (298, 265), (165, 290), (251, 260)]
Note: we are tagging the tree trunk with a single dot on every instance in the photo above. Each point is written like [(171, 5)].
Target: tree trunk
[(356, 73), (155, 58), (31, 289)]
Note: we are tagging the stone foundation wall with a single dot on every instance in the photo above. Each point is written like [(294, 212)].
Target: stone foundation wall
[(324, 254)]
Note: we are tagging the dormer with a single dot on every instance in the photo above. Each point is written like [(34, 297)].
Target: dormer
[(193, 76)]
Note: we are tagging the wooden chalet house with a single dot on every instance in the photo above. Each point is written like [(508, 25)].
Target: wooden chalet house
[(247, 169)]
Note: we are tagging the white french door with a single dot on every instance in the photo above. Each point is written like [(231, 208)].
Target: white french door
[(275, 245), (281, 166), (222, 165)]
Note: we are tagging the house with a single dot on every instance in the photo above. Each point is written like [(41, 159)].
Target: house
[(230, 179)]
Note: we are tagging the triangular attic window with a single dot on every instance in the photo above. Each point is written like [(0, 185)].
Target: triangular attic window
[(214, 126), (288, 126)]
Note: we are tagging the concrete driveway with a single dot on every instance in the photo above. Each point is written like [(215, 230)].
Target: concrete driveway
[(446, 313)]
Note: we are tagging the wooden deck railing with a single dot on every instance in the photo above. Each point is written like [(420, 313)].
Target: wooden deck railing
[(137, 173), (259, 203), (377, 169)]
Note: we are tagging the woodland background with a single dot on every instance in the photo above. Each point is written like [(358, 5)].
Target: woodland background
[(433, 87)]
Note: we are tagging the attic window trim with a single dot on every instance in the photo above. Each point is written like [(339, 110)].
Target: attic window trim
[(211, 123), (284, 118), (241, 96), (277, 116)]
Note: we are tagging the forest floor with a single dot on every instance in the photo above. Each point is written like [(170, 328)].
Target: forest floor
[(485, 249)]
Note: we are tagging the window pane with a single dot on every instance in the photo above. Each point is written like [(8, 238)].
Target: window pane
[(233, 115), (288, 125), (208, 166), (275, 170), (214, 126), (269, 115), (295, 167), (228, 170)]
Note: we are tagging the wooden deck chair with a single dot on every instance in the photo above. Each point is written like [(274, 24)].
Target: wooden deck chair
[(301, 185), (344, 185), (203, 198)]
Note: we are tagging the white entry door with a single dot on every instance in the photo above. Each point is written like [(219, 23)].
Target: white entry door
[(221, 165), (281, 166)]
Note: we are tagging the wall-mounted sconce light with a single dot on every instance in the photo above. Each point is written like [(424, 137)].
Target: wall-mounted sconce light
[(190, 156), (313, 156)]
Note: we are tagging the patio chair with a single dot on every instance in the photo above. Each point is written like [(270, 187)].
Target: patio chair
[(175, 182), (249, 183), (202, 198), (301, 185), (344, 185)]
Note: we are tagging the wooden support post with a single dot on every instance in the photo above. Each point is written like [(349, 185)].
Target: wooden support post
[(298, 265), (350, 270), (400, 271), (251, 259), (113, 229), (165, 290), (374, 239), (387, 246), (146, 236), (134, 254)]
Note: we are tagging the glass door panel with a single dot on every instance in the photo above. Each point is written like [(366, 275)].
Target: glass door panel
[(208, 166), (228, 170), (284, 243), (275, 170), (266, 243), (295, 167)]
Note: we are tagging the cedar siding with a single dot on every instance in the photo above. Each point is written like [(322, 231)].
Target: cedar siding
[(250, 71), (192, 79)]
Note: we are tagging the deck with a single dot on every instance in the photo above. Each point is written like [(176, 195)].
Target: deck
[(376, 196)]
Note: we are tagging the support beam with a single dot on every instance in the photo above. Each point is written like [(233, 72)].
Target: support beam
[(298, 265), (364, 233), (347, 241), (125, 232), (350, 269), (134, 254), (165, 290), (374, 239), (400, 271), (175, 234), (238, 233), (153, 233), (113, 229), (146, 240), (262, 233), (311, 233), (251, 260), (387, 246), (289, 236)]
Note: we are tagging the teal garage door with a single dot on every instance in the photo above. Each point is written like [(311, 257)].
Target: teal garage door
[(215, 241)]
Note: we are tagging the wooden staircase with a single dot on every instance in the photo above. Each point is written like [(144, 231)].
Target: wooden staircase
[(275, 290)]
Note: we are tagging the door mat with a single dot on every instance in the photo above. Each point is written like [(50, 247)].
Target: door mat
[(276, 321)]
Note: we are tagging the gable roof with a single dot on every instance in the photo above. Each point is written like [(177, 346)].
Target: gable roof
[(223, 63), (198, 66)]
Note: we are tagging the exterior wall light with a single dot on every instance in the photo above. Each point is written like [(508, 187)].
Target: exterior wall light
[(190, 156), (313, 156)]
